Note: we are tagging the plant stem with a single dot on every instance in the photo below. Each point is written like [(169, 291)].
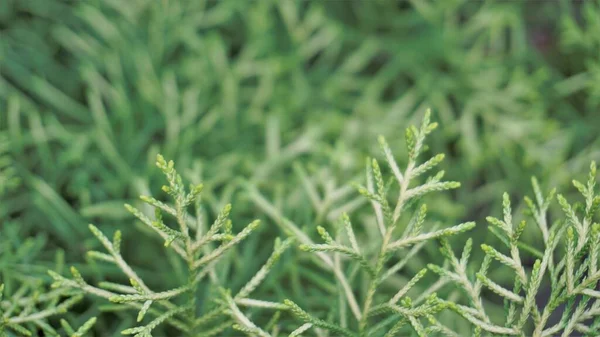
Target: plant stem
[(381, 258)]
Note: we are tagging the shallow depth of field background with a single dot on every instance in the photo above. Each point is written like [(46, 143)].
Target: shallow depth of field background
[(263, 93)]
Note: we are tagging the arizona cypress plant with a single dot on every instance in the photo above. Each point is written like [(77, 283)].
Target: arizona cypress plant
[(193, 242), (567, 264), (90, 90), (378, 313)]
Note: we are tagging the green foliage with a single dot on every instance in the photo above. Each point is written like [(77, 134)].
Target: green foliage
[(199, 246), (273, 106)]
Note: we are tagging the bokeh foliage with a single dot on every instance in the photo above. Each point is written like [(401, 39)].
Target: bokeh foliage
[(260, 99)]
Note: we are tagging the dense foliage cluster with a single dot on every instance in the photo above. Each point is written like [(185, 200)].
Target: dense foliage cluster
[(274, 107)]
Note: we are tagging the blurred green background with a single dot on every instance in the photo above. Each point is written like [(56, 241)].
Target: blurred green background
[(272, 94)]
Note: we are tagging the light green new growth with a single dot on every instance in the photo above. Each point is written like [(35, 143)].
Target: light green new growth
[(572, 276), (394, 313), (192, 242)]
